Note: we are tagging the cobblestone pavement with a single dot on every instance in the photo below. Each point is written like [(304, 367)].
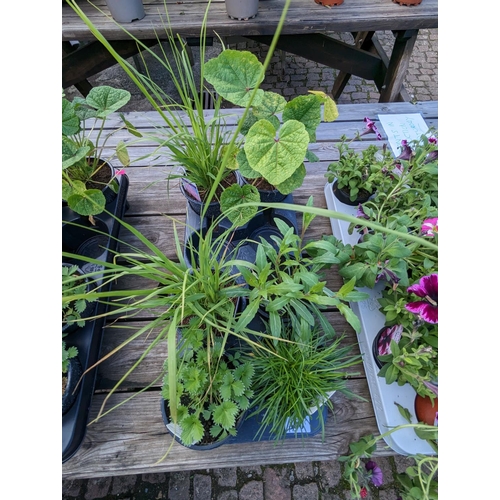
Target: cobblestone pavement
[(299, 481), (289, 75)]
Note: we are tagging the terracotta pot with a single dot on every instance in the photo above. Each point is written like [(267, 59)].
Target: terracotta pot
[(330, 3), (408, 3), (425, 410)]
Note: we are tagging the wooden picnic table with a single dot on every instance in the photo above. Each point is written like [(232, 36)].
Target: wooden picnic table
[(132, 438), (306, 33)]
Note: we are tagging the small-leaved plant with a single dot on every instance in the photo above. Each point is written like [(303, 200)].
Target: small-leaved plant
[(67, 354), (307, 365), (213, 388), (74, 287), (84, 141), (358, 173)]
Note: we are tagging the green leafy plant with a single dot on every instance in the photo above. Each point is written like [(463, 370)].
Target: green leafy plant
[(83, 148), (67, 354), (307, 365), (286, 280), (358, 173), (213, 389), (74, 286), (273, 149)]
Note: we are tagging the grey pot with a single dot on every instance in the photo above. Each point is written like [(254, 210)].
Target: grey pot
[(126, 11), (242, 9)]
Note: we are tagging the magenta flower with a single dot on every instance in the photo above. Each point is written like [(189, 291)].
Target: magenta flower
[(120, 172), (377, 477), (430, 227), (433, 140), (384, 342), (371, 127), (427, 289)]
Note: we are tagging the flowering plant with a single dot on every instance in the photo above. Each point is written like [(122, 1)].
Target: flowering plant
[(417, 483)]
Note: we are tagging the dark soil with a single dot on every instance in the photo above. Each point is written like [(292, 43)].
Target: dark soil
[(101, 177)]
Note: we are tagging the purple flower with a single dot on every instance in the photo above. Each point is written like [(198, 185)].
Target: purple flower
[(388, 275), (433, 140), (431, 386), (360, 213), (377, 476), (432, 156), (430, 227), (427, 289), (389, 333), (406, 152), (370, 127)]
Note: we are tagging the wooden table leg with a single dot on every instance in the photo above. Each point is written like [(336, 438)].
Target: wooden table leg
[(398, 65), (361, 41)]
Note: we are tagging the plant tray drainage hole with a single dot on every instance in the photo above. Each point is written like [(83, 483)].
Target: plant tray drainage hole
[(93, 247)]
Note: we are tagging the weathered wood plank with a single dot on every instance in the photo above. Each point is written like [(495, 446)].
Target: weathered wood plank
[(304, 16), (132, 439)]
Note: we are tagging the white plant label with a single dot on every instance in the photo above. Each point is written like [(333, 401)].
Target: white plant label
[(407, 127)]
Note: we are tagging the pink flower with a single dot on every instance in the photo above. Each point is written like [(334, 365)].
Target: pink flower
[(427, 289), (363, 492), (120, 172), (430, 227)]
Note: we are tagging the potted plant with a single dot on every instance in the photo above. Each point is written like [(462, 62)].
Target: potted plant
[(89, 180), (286, 279), (71, 372), (273, 152), (308, 366), (76, 309)]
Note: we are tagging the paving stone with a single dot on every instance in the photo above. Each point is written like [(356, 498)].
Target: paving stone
[(276, 485), (305, 492), (254, 490), (72, 487), (97, 488), (154, 478), (330, 473), (251, 471), (388, 494), (123, 484), (226, 477), (402, 463), (304, 470), (202, 487), (178, 486), (228, 495)]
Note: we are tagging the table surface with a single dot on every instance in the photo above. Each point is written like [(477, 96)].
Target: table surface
[(132, 438), (303, 17)]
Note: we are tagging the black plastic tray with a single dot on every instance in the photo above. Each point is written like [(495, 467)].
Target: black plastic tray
[(86, 241)]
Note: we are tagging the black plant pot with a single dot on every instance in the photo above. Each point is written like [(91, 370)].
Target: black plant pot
[(213, 209), (381, 343), (344, 197), (73, 376)]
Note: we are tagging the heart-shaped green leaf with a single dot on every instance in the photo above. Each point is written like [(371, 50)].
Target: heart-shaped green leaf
[(70, 122), (276, 155), (107, 100), (234, 75), (307, 110)]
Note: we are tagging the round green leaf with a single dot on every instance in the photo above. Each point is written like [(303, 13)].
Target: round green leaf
[(90, 202), (276, 155), (307, 110), (245, 169), (70, 122)]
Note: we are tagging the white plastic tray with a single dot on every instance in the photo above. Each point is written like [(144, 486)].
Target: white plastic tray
[(383, 395)]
